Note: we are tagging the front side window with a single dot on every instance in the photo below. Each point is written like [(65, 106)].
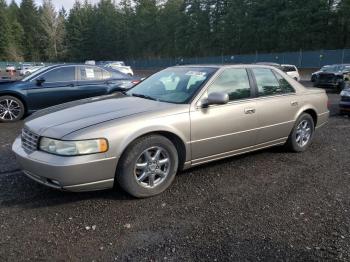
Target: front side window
[(62, 74), (234, 82), (173, 85)]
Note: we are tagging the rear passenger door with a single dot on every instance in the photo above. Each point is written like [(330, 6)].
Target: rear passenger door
[(221, 130), (92, 81), (276, 105)]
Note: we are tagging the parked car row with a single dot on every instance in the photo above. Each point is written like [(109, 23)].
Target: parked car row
[(58, 84), (116, 65), (27, 69)]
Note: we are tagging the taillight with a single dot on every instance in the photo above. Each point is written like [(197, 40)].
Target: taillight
[(135, 81)]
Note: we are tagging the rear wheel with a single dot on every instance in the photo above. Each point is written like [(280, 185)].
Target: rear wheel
[(302, 134), (11, 109), (148, 167)]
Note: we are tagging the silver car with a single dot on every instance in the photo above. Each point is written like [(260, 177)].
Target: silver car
[(177, 118)]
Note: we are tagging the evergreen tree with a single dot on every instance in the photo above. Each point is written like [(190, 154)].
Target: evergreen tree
[(52, 30), (29, 19), (4, 31)]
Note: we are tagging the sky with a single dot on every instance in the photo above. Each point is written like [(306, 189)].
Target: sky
[(67, 4)]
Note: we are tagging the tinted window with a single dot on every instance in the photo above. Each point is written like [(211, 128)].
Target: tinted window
[(234, 82), (88, 73), (285, 86), (62, 74), (270, 83)]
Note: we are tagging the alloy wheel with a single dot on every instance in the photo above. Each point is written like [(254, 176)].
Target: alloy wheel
[(152, 167), (303, 133), (9, 109)]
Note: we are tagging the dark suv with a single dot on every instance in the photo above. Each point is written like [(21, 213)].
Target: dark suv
[(331, 76)]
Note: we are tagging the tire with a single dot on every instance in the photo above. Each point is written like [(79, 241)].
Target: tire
[(139, 159), (11, 109), (297, 141)]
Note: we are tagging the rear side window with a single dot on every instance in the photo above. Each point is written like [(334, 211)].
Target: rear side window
[(62, 74), (88, 73), (285, 86), (270, 83), (234, 82)]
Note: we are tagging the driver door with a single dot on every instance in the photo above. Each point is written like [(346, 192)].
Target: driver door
[(56, 89), (221, 130)]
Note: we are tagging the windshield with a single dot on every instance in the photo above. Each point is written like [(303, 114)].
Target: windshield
[(328, 69), (36, 73), (173, 85)]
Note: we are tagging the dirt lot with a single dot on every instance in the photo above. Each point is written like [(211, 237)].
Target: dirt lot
[(265, 206)]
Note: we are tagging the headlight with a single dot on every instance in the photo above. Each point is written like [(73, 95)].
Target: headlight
[(73, 148), (345, 93)]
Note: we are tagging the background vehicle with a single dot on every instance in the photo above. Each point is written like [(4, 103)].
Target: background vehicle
[(27, 69), (177, 118), (118, 65), (58, 84), (278, 66), (292, 71), (331, 76), (344, 104)]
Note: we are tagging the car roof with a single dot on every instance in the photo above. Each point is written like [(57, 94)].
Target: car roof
[(225, 66)]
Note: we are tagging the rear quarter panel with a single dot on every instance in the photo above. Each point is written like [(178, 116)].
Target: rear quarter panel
[(316, 100)]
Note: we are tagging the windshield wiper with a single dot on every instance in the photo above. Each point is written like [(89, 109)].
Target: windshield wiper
[(144, 96)]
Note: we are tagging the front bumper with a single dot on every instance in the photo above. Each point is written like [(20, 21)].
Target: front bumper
[(80, 173), (344, 106)]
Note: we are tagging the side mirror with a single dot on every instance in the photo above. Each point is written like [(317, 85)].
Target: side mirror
[(216, 98), (40, 80)]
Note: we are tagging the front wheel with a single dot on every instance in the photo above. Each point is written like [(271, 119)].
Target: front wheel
[(302, 134), (11, 109), (148, 166)]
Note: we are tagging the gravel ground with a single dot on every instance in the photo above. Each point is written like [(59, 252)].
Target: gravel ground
[(264, 206)]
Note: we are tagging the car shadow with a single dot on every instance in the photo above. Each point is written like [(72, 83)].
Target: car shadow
[(19, 190)]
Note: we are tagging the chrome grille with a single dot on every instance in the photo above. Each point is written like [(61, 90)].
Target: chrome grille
[(29, 141), (345, 99)]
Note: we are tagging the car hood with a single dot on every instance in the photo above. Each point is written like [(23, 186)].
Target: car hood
[(61, 120)]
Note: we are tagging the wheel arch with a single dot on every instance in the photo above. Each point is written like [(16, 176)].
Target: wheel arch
[(308, 110), (176, 139)]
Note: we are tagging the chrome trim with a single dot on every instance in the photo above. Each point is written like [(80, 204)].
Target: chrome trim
[(29, 141), (208, 159), (89, 184)]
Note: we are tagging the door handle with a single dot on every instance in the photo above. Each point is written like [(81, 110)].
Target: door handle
[(249, 110), (71, 85), (294, 103)]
